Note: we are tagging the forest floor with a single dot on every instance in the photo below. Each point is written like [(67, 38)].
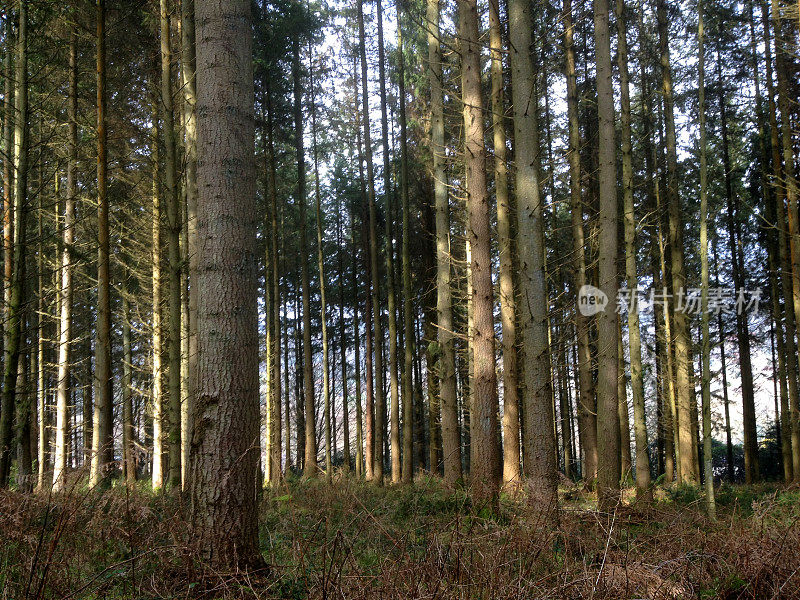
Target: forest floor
[(354, 540)]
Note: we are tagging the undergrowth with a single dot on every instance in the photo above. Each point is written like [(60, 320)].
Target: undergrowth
[(355, 540)]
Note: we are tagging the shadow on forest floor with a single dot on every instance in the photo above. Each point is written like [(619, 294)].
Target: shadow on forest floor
[(354, 540)]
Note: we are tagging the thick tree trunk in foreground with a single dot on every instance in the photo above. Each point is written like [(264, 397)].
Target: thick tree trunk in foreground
[(225, 443), (485, 451)]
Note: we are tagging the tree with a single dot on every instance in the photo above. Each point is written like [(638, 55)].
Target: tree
[(485, 453), (225, 442), (451, 444), (608, 465), (539, 435)]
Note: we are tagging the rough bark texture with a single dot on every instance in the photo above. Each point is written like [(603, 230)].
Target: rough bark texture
[(485, 451), (225, 441), (608, 465), (538, 436), (511, 441)]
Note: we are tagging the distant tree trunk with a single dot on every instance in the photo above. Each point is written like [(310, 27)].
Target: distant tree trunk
[(273, 279), (20, 209), (689, 471), (390, 283), (102, 438), (376, 473), (310, 467), (173, 419), (704, 277), (408, 299), (451, 444), (159, 429), (42, 409), (326, 384), (343, 344), (629, 219), (539, 445), (608, 467), (751, 468), (790, 182), (626, 461), (225, 461), (360, 462), (128, 463), (511, 441), (587, 415), (66, 270)]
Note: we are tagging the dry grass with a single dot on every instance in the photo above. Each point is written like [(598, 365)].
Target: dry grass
[(353, 540)]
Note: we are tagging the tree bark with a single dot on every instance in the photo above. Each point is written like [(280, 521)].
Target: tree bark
[(66, 272), (608, 465), (225, 441)]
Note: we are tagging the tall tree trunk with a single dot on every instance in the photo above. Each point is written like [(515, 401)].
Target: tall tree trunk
[(102, 437), (343, 344), (791, 434), (704, 278), (629, 219), (190, 189), (20, 210), (173, 419), (225, 461), (790, 182), (539, 446), (485, 452), (128, 463), (159, 429), (689, 470), (511, 441), (310, 467), (408, 300), (743, 331), (66, 271), (608, 467), (378, 419), (587, 415), (326, 383), (390, 278), (451, 444), (626, 461)]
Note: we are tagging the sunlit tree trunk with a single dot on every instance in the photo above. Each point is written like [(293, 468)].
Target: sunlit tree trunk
[(485, 452), (66, 271), (225, 442), (159, 429)]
